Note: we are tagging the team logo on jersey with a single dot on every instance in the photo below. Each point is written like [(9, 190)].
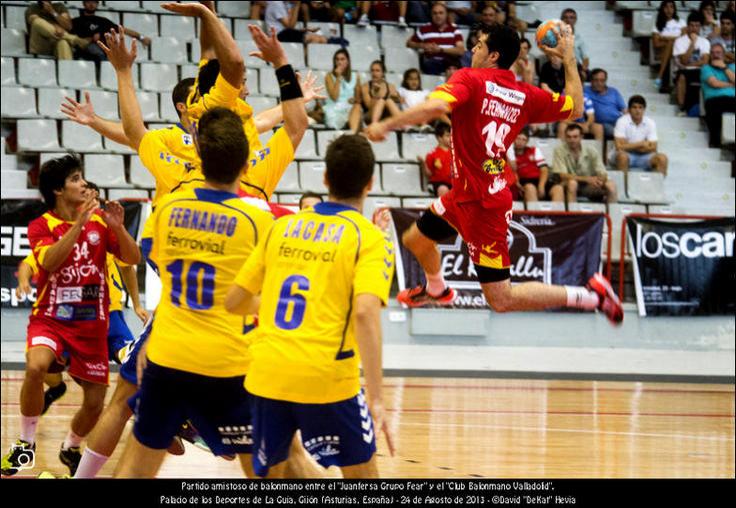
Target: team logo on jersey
[(323, 446), (236, 434), (497, 185), (494, 166), (93, 237), (505, 94), (186, 139)]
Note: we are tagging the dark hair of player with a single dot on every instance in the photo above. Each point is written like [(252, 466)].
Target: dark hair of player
[(223, 146), (309, 194), (181, 91), (504, 40), (350, 162), (53, 175), (637, 99)]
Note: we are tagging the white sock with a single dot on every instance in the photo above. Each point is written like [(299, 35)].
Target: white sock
[(28, 426), (90, 464), (72, 440), (435, 283), (581, 298), (401, 19)]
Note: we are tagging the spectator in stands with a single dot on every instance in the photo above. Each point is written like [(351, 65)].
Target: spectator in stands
[(531, 170), (488, 15), (607, 101), (690, 53), (461, 13), (257, 9), (437, 166), (726, 37), (635, 138), (92, 27), (411, 91), (284, 16), (552, 75), (667, 28), (49, 27), (710, 27), (581, 170), (346, 11), (587, 122), (440, 42), (383, 11), (342, 106), (380, 98), (309, 199), (717, 80), (570, 17), (510, 17), (317, 11), (523, 67)]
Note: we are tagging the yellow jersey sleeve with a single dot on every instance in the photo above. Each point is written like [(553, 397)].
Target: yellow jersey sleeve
[(30, 260), (167, 169), (114, 283), (222, 94), (250, 277), (375, 267), (266, 167)]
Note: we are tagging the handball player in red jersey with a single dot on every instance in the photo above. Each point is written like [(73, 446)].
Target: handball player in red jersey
[(488, 109)]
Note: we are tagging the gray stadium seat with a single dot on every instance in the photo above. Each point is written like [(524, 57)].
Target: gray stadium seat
[(36, 72), (154, 6), (47, 156), (118, 194), (259, 103), (289, 199), (38, 136), (728, 129), (145, 24), (517, 206), (290, 180), (324, 138), (234, 9), (15, 17), (8, 160), (169, 49), (617, 212), (252, 78), (619, 179), (417, 202), (246, 47), (190, 70), (123, 5), (114, 147), (18, 102), (430, 81), (157, 77), (105, 170), (401, 58), (139, 175), (646, 187), (361, 60), (50, 100), (148, 102), (359, 37), (13, 42), (546, 206), (108, 78), (416, 145), (80, 138), (401, 179), (387, 150), (196, 52), (587, 207), (312, 176), (105, 103), (373, 203), (307, 149), (77, 74), (14, 179), (167, 110), (394, 37), (8, 71), (240, 30), (267, 83), (319, 56), (295, 53)]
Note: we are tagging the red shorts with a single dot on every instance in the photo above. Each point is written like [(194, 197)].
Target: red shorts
[(483, 225), (87, 355)]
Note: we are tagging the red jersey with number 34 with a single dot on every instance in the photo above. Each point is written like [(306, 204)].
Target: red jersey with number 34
[(489, 108), (76, 292)]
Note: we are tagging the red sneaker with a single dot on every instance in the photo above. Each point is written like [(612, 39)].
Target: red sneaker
[(418, 297), (609, 304)]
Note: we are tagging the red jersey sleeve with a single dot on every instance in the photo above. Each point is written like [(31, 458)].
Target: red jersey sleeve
[(545, 107), (40, 238), (456, 91)]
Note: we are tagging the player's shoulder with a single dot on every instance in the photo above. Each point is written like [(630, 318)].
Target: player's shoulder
[(254, 207)]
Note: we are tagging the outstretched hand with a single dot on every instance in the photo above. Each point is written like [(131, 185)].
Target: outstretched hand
[(310, 92), (82, 113), (269, 47), (195, 9), (117, 53), (114, 214)]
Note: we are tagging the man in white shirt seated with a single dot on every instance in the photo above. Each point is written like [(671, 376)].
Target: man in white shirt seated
[(689, 54), (635, 137)]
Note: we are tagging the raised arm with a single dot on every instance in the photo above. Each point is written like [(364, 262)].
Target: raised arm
[(130, 279), (114, 218), (122, 60), (267, 120), (84, 114), (420, 114), (565, 50)]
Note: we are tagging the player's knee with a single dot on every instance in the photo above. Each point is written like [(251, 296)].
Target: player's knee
[(500, 304), (572, 186), (36, 371)]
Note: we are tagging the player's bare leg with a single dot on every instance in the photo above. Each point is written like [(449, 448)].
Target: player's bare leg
[(38, 361), (56, 390), (83, 422), (425, 250), (139, 461), (366, 470), (106, 434), (246, 462), (277, 471), (300, 463)]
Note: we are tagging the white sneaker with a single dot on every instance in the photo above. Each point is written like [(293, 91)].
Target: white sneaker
[(363, 21), (402, 22)]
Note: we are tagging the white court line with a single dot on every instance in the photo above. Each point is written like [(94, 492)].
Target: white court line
[(572, 431)]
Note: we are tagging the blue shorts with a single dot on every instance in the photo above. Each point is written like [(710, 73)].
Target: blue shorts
[(118, 335), (336, 434), (636, 160), (219, 408), (129, 364)]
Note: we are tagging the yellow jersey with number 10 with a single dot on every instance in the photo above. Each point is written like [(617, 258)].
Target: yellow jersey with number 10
[(309, 270), (201, 238)]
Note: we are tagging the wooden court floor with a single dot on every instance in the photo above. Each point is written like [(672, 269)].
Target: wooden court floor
[(495, 428)]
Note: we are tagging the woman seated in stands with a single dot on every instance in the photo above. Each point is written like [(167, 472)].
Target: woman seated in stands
[(667, 28), (342, 106), (380, 98)]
